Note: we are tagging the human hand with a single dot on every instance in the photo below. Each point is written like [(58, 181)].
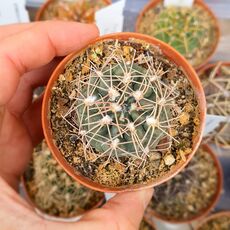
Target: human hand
[(27, 53)]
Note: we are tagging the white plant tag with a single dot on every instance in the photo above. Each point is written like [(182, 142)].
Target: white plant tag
[(212, 122), (178, 3), (110, 19), (13, 11), (108, 196)]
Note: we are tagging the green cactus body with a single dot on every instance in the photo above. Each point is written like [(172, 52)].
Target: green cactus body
[(114, 115), (123, 109), (191, 31)]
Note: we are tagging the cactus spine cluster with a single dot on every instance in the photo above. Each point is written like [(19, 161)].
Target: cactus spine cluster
[(124, 108)]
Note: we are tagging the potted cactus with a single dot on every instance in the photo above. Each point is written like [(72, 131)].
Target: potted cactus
[(125, 113), (192, 193), (194, 32), (217, 221), (215, 79), (71, 10), (54, 193)]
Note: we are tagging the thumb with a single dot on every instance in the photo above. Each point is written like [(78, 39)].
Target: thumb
[(123, 211)]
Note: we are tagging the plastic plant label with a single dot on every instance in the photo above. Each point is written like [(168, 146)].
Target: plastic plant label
[(178, 3), (13, 11), (212, 122), (110, 19), (34, 3)]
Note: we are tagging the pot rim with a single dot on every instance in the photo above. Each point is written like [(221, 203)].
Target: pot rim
[(213, 202), (199, 73), (212, 216), (153, 3), (172, 55), (48, 2)]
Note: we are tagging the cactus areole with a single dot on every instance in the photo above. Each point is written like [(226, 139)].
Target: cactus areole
[(121, 113)]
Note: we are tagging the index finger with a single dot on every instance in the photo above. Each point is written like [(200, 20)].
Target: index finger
[(36, 47)]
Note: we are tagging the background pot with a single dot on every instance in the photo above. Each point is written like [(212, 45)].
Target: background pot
[(52, 217), (202, 71), (171, 54), (150, 213), (48, 2), (154, 3), (212, 217)]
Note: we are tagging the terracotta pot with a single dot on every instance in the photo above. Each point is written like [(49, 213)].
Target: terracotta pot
[(202, 71), (48, 2), (154, 3), (212, 217), (52, 217), (150, 213), (171, 54)]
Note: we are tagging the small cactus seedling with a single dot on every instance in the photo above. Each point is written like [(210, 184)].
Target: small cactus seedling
[(53, 191), (191, 31), (189, 193), (74, 10), (216, 83), (125, 107)]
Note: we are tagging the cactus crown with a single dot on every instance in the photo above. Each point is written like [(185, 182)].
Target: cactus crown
[(124, 108), (73, 10), (53, 190), (189, 30)]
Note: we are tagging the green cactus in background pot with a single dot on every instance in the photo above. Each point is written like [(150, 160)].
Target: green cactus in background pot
[(191, 31)]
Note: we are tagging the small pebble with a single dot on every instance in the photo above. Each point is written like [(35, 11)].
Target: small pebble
[(169, 159)]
